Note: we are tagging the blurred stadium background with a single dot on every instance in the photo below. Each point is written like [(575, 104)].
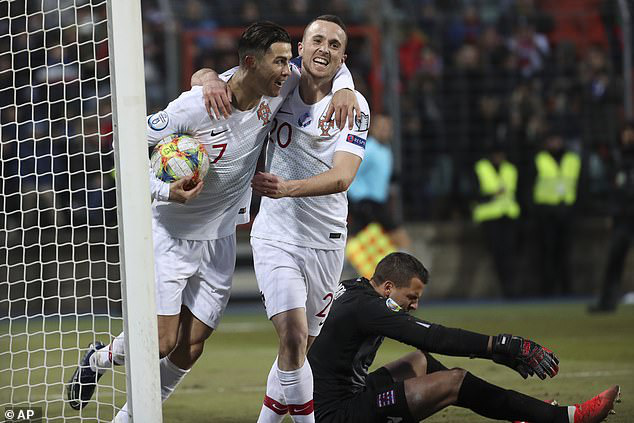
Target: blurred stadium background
[(458, 77)]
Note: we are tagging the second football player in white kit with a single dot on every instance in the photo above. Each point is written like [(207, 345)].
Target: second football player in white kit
[(299, 235)]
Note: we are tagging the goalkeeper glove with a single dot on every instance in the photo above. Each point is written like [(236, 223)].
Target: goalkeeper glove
[(524, 356)]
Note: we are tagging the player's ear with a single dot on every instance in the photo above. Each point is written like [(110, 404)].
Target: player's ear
[(343, 58), (300, 48), (387, 287), (250, 61)]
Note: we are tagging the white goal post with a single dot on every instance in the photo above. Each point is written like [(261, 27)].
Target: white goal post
[(76, 262), (135, 225)]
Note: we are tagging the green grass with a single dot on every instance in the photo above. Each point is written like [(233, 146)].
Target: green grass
[(227, 384)]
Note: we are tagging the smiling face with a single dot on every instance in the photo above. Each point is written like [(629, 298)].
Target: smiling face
[(323, 49), (272, 69)]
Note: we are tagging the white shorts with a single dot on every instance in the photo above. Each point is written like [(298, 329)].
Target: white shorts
[(292, 277), (196, 274)]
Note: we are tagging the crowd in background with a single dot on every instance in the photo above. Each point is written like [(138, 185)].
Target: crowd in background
[(475, 76), (55, 113)]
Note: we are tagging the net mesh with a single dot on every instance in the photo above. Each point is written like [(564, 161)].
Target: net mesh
[(59, 257)]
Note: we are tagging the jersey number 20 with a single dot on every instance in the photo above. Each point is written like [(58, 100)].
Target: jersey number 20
[(281, 134)]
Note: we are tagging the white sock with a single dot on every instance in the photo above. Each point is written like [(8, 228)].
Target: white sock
[(274, 407), (297, 386), (112, 354), (122, 416), (171, 375)]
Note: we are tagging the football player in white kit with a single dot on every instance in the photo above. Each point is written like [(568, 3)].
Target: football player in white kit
[(194, 242), (299, 234)]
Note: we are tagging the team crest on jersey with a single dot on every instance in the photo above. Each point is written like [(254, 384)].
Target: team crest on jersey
[(264, 113), (326, 126), (391, 304), (158, 121), (362, 122), (304, 120)]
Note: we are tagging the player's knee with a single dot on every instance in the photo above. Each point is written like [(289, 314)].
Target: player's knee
[(294, 342), (195, 351), (419, 363), (166, 345), (457, 375)]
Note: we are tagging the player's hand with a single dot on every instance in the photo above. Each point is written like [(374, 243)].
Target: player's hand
[(524, 356), (269, 185), (216, 95), (344, 104), (184, 190)]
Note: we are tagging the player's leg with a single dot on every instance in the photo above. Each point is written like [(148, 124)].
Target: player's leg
[(436, 390), (282, 283), (412, 365), (185, 258), (192, 335), (175, 262)]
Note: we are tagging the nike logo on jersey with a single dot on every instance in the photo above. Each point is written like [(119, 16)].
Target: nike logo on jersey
[(423, 324), (214, 134), (284, 112)]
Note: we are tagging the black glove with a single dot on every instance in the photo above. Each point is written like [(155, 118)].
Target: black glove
[(524, 356)]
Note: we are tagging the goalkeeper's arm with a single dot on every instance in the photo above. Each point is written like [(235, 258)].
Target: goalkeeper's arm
[(522, 355)]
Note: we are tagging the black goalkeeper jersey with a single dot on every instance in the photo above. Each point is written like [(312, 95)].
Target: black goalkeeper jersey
[(354, 330)]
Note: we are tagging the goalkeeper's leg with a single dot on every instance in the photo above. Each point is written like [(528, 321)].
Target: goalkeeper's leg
[(430, 387)]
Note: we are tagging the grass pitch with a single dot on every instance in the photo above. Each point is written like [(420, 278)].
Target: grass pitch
[(228, 382)]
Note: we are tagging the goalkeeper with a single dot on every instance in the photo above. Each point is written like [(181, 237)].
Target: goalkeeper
[(418, 385)]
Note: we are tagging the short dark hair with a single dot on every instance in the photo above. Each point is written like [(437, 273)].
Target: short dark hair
[(400, 268), (258, 38), (330, 18)]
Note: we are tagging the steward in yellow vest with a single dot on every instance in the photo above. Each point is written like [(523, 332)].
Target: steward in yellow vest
[(556, 181), (557, 172), (496, 211), (499, 185)]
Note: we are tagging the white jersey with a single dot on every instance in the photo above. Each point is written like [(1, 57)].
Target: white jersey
[(233, 145), (302, 145)]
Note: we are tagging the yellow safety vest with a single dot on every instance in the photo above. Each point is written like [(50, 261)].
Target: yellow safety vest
[(556, 182), (491, 182)]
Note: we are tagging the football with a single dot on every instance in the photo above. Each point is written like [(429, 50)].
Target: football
[(177, 156)]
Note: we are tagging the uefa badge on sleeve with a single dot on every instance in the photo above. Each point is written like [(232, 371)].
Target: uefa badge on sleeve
[(158, 121)]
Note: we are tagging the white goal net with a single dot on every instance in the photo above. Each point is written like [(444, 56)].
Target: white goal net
[(60, 270)]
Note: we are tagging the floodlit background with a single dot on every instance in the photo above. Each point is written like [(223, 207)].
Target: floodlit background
[(459, 81)]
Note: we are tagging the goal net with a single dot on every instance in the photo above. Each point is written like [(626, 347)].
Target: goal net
[(60, 267)]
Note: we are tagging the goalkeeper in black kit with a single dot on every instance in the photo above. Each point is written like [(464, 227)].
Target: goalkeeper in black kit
[(417, 385)]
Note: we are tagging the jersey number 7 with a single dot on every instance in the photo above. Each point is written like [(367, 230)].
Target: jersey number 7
[(222, 148)]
